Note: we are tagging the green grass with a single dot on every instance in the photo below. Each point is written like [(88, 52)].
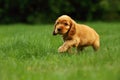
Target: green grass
[(29, 52)]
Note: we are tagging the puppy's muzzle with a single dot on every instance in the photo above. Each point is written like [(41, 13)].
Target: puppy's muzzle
[(57, 31), (54, 33)]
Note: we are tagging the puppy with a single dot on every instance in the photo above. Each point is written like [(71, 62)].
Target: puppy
[(75, 35)]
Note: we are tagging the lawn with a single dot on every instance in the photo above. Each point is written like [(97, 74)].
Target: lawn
[(29, 52)]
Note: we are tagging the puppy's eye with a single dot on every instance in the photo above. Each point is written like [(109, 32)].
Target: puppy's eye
[(65, 24), (57, 23)]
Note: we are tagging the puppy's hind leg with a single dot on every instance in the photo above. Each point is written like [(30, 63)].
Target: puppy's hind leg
[(96, 45)]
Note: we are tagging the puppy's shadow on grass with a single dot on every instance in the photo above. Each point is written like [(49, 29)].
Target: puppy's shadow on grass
[(86, 51)]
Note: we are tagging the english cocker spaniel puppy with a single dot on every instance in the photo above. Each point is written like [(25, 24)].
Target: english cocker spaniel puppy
[(75, 35)]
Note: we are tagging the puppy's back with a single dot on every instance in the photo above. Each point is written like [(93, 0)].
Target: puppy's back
[(86, 34)]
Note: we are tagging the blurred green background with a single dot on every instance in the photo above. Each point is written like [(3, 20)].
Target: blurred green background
[(29, 52), (46, 11)]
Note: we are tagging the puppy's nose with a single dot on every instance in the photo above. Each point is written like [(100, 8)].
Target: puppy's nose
[(54, 33), (59, 29)]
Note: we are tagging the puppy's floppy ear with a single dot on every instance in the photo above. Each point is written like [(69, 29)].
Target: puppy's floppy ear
[(72, 29)]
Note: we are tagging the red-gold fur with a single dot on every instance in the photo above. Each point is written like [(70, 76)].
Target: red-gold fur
[(75, 35)]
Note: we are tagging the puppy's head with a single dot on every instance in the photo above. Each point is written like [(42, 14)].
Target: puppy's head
[(64, 25)]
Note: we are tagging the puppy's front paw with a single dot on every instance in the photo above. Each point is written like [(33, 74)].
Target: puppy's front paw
[(62, 49)]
